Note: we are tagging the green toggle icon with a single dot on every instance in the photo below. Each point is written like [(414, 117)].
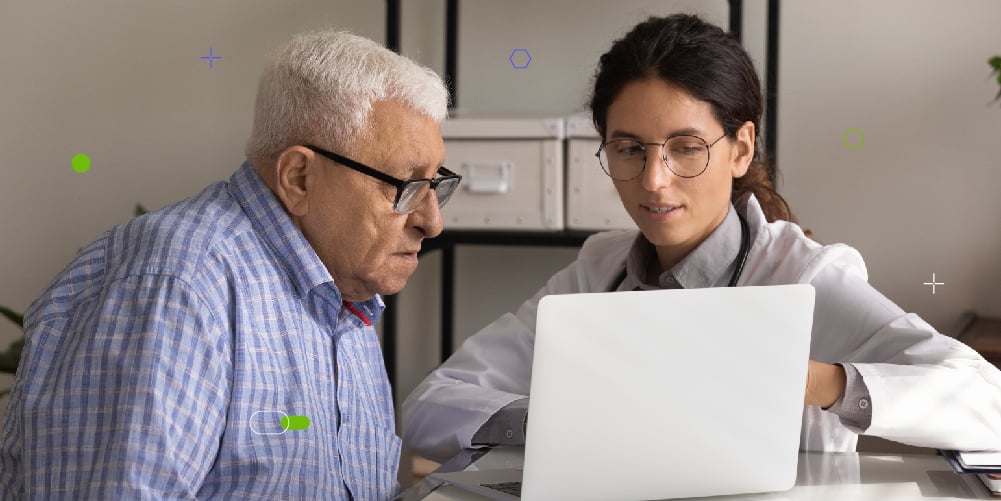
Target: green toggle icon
[(295, 423)]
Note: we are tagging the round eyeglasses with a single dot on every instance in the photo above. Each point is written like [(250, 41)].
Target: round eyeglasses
[(625, 159), (410, 193)]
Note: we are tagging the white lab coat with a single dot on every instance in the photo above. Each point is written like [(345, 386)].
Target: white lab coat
[(926, 389)]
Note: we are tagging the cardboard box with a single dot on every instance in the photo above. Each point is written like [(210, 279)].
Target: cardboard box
[(512, 173), (592, 202)]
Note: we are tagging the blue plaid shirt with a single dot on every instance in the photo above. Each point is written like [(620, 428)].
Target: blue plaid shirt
[(160, 365)]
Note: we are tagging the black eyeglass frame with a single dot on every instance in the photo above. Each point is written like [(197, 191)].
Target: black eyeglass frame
[(663, 156), (400, 184)]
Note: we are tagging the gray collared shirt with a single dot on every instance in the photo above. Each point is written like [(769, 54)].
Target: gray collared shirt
[(711, 264)]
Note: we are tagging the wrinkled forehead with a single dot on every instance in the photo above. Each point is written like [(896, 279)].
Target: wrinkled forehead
[(402, 139)]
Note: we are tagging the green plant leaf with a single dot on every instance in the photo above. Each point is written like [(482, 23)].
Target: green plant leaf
[(12, 357), (995, 63), (13, 316), (140, 210)]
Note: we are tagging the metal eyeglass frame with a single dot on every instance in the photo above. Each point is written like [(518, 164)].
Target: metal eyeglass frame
[(663, 156)]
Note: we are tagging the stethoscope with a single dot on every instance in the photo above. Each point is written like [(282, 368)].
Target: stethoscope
[(745, 245)]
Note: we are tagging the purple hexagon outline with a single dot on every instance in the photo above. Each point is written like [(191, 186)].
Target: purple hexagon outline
[(511, 58)]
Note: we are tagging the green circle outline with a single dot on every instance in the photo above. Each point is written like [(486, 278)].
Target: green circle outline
[(845, 138)]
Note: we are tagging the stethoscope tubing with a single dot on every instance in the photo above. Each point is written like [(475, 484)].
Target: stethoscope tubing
[(745, 248)]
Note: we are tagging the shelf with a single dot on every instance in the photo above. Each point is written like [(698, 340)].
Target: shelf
[(446, 243)]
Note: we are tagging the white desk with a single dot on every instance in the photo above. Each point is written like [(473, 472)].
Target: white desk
[(821, 477)]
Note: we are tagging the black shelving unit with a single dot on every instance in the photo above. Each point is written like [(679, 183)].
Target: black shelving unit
[(450, 239), (447, 243)]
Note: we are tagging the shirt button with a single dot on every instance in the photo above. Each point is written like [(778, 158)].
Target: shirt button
[(863, 403), (509, 434)]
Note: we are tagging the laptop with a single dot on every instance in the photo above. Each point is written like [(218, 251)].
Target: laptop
[(661, 394)]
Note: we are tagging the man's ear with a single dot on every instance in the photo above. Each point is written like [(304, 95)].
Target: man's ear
[(294, 179), (743, 150)]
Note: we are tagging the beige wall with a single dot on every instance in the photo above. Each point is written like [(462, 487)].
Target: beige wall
[(565, 38), (122, 82), (918, 197), (921, 195)]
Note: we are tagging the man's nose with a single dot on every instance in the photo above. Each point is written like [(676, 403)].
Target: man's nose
[(427, 218)]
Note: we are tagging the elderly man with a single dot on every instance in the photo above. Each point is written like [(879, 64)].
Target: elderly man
[(223, 348)]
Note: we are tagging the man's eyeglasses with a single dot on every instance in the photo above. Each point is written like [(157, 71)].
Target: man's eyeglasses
[(625, 159), (410, 193)]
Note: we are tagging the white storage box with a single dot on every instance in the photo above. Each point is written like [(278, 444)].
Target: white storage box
[(592, 202), (512, 173)]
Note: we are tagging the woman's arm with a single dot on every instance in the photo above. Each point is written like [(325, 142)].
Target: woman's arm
[(489, 371), (926, 389)]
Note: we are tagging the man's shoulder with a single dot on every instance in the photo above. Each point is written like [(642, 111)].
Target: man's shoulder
[(188, 240), (182, 240)]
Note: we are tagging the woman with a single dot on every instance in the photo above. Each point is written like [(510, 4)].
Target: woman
[(677, 102)]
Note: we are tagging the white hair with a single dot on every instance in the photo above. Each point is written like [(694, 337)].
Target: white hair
[(319, 88)]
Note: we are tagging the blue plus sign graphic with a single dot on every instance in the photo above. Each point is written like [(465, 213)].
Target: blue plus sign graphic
[(210, 57)]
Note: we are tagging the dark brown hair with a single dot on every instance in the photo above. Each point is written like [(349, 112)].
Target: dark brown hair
[(710, 65)]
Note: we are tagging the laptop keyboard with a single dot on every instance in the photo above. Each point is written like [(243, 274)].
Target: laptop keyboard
[(512, 488)]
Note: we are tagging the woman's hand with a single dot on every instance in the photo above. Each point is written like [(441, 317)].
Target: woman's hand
[(825, 383)]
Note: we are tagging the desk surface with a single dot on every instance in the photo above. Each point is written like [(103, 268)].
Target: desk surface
[(820, 477)]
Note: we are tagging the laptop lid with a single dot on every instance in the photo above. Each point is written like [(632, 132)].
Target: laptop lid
[(668, 393)]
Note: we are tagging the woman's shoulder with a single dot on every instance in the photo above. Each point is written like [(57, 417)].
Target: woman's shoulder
[(608, 244), (783, 253), (603, 256)]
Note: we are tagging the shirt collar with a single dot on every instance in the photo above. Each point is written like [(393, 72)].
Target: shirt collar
[(275, 226), (293, 251), (703, 267)]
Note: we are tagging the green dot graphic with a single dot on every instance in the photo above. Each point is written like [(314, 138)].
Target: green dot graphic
[(295, 422), (81, 163)]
